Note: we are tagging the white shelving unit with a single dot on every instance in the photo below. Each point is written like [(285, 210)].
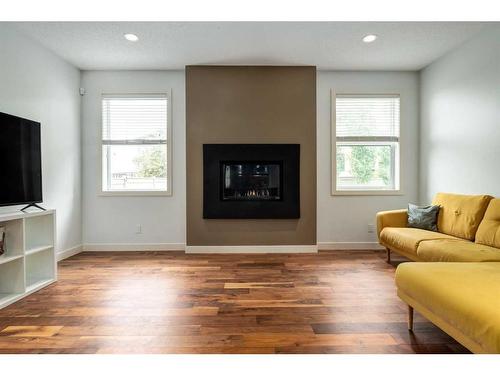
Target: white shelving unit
[(29, 261)]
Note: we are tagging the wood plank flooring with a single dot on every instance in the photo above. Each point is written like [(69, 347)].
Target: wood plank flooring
[(170, 302)]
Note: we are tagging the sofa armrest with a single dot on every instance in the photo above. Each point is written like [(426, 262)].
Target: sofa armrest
[(395, 218)]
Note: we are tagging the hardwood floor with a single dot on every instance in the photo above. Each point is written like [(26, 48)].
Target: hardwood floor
[(170, 302)]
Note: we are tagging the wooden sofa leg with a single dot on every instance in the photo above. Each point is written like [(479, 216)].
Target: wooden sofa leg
[(410, 318), (388, 255)]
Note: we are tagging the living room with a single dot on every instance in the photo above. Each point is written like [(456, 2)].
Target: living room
[(180, 187)]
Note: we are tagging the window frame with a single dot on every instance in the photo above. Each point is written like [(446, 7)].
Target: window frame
[(395, 168), (168, 145)]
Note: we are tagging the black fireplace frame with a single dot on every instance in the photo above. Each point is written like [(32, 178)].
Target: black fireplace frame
[(288, 207)]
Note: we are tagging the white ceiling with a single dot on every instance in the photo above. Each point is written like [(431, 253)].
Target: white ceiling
[(328, 45)]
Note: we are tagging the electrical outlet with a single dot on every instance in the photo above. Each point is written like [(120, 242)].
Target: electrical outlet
[(138, 229), (371, 228)]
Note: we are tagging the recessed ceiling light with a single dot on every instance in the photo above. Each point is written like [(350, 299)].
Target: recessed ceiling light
[(131, 37), (369, 38)]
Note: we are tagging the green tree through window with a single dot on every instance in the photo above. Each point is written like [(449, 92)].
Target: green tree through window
[(340, 163), (384, 168), (152, 163), (363, 163)]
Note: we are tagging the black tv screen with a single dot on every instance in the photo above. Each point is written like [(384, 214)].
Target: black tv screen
[(20, 161)]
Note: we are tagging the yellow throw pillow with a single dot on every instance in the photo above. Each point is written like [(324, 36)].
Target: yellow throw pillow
[(460, 215), (488, 232)]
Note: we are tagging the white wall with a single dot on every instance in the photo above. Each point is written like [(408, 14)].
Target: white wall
[(346, 218), (460, 127), (36, 84), (113, 219)]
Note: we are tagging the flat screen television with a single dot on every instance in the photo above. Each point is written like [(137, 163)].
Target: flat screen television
[(20, 161)]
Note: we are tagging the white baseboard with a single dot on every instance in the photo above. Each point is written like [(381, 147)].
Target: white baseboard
[(69, 252), (134, 247), (283, 249), (278, 249), (349, 246)]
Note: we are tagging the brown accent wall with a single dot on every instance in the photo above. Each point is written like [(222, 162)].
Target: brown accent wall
[(250, 104)]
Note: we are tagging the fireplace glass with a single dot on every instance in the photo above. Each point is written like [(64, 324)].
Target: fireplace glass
[(251, 181)]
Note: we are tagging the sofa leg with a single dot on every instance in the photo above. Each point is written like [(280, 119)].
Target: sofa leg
[(410, 318), (388, 255)]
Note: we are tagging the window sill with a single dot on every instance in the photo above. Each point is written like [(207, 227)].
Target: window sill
[(135, 194), (367, 192)]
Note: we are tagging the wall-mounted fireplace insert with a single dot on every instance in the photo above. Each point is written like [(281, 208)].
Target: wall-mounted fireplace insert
[(251, 181)]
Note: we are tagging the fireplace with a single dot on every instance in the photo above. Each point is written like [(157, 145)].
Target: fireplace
[(251, 181)]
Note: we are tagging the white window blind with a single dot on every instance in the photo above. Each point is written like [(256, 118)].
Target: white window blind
[(134, 119), (367, 116)]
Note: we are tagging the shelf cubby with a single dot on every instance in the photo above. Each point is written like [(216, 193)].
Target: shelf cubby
[(39, 231), (14, 239), (12, 284), (39, 268)]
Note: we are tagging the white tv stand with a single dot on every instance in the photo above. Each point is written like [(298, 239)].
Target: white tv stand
[(29, 261)]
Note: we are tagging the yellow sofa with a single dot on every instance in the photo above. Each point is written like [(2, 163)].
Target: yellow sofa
[(468, 231), (456, 280), (463, 299)]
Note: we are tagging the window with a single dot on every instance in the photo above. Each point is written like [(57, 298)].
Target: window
[(366, 138), (136, 146)]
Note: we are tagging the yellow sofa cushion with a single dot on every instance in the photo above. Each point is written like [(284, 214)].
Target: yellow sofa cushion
[(460, 215), (488, 232), (446, 250), (465, 296), (407, 239)]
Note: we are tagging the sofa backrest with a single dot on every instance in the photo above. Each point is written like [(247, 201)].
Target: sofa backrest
[(460, 215), (488, 232)]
